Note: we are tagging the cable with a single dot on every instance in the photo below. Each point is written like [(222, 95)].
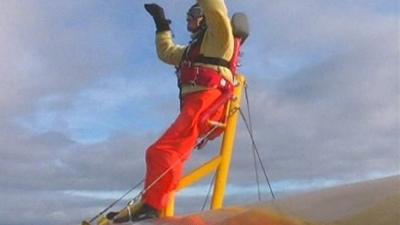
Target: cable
[(257, 176), (208, 193), (254, 145), (115, 202), (253, 151), (258, 154)]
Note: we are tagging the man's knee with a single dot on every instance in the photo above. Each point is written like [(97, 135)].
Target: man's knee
[(161, 156)]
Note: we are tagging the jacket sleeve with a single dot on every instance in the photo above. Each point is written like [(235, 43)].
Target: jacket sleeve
[(218, 39), (167, 50)]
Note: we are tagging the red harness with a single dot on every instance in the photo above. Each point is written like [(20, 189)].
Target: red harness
[(190, 74)]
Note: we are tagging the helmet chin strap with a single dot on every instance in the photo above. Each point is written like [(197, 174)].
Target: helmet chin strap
[(199, 31)]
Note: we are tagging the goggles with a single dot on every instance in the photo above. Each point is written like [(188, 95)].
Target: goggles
[(195, 12)]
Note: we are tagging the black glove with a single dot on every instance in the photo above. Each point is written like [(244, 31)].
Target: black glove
[(157, 12)]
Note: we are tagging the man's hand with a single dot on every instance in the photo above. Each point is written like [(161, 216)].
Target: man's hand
[(155, 11)]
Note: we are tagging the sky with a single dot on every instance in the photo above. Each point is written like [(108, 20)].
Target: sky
[(82, 95)]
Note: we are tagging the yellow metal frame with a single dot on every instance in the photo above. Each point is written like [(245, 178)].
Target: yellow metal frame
[(219, 164)]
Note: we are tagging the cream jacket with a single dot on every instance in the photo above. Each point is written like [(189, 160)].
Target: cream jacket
[(218, 41)]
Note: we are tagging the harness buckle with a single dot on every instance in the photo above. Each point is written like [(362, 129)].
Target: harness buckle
[(196, 76), (223, 82)]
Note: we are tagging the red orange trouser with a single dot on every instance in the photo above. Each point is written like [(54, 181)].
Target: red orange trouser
[(175, 146)]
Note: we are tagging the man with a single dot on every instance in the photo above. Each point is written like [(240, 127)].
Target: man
[(203, 75)]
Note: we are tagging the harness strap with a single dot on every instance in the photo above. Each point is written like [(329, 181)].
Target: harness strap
[(213, 61), (202, 76)]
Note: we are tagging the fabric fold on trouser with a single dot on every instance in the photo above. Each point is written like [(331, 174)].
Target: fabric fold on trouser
[(175, 146)]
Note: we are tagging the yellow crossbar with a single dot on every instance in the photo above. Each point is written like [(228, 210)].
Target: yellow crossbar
[(199, 173)]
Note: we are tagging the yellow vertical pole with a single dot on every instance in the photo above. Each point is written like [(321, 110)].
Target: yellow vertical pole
[(227, 146), (170, 209)]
